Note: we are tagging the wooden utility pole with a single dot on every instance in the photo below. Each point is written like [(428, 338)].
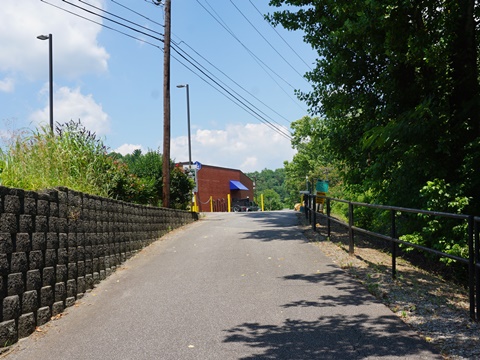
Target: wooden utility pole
[(166, 105)]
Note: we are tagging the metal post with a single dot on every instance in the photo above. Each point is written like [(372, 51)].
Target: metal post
[(310, 205), (50, 50), (186, 86), (188, 120), (314, 205), (471, 266), (477, 269), (351, 245), (394, 245), (50, 71), (328, 218)]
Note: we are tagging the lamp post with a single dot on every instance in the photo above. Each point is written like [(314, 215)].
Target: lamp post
[(50, 51), (188, 121)]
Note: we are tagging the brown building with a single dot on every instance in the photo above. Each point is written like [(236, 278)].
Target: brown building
[(217, 183)]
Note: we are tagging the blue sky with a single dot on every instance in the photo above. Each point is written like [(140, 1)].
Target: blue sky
[(113, 83)]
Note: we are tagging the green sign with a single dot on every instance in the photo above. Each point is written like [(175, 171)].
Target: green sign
[(322, 186)]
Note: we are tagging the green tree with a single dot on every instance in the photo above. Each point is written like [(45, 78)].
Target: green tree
[(314, 159), (397, 84), (147, 169), (270, 179), (272, 200)]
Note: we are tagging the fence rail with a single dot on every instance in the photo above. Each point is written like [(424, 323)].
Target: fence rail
[(472, 262)]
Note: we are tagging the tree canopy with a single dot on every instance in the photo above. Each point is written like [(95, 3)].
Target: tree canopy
[(396, 87)]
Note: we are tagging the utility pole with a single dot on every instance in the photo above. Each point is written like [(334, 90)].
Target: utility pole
[(166, 105)]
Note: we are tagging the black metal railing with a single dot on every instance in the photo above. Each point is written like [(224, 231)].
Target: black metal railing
[(472, 262)]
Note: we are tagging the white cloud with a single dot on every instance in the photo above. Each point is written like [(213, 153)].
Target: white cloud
[(71, 104), (128, 149), (250, 147), (75, 47), (7, 85)]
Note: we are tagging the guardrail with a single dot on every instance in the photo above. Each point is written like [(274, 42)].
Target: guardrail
[(472, 262)]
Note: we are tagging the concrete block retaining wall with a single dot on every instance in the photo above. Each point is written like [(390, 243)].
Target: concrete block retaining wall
[(56, 245)]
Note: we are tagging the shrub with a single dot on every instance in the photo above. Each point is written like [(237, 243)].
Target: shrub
[(443, 234)]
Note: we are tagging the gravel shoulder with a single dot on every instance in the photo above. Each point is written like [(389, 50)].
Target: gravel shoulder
[(436, 309)]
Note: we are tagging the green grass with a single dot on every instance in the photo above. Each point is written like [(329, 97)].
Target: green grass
[(72, 157)]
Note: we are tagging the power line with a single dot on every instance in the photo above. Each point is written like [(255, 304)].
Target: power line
[(249, 111), (127, 8), (240, 86), (136, 24), (281, 37), (114, 21), (100, 24), (228, 92), (182, 50), (137, 13), (211, 64), (119, 17), (225, 85), (232, 97), (264, 38), (256, 58)]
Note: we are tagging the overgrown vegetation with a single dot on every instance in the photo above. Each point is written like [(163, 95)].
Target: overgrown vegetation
[(271, 184), (395, 109), (76, 158), (72, 157)]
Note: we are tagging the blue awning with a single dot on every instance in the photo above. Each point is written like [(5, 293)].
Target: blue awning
[(237, 185)]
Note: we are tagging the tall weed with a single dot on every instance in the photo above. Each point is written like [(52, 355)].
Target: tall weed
[(72, 157)]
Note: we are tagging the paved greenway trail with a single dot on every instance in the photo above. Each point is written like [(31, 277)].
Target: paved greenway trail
[(230, 286)]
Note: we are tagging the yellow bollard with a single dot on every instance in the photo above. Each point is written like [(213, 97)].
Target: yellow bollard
[(195, 208), (228, 202), (261, 200), (211, 203)]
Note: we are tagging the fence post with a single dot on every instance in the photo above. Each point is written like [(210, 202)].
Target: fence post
[(310, 205), (305, 205), (328, 217), (314, 206), (477, 263), (351, 246), (394, 245), (471, 267)]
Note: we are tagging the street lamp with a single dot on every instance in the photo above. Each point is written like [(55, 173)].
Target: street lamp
[(188, 120), (50, 40)]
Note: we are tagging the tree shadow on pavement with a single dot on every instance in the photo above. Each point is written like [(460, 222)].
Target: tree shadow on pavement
[(331, 337), (279, 225), (347, 292), (366, 334)]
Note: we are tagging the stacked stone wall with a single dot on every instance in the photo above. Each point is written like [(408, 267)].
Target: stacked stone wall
[(56, 245)]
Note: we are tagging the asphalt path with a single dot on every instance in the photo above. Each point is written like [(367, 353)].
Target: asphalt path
[(230, 286)]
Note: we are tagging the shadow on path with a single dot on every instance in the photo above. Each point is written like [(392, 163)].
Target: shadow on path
[(330, 337), (347, 292), (278, 225)]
